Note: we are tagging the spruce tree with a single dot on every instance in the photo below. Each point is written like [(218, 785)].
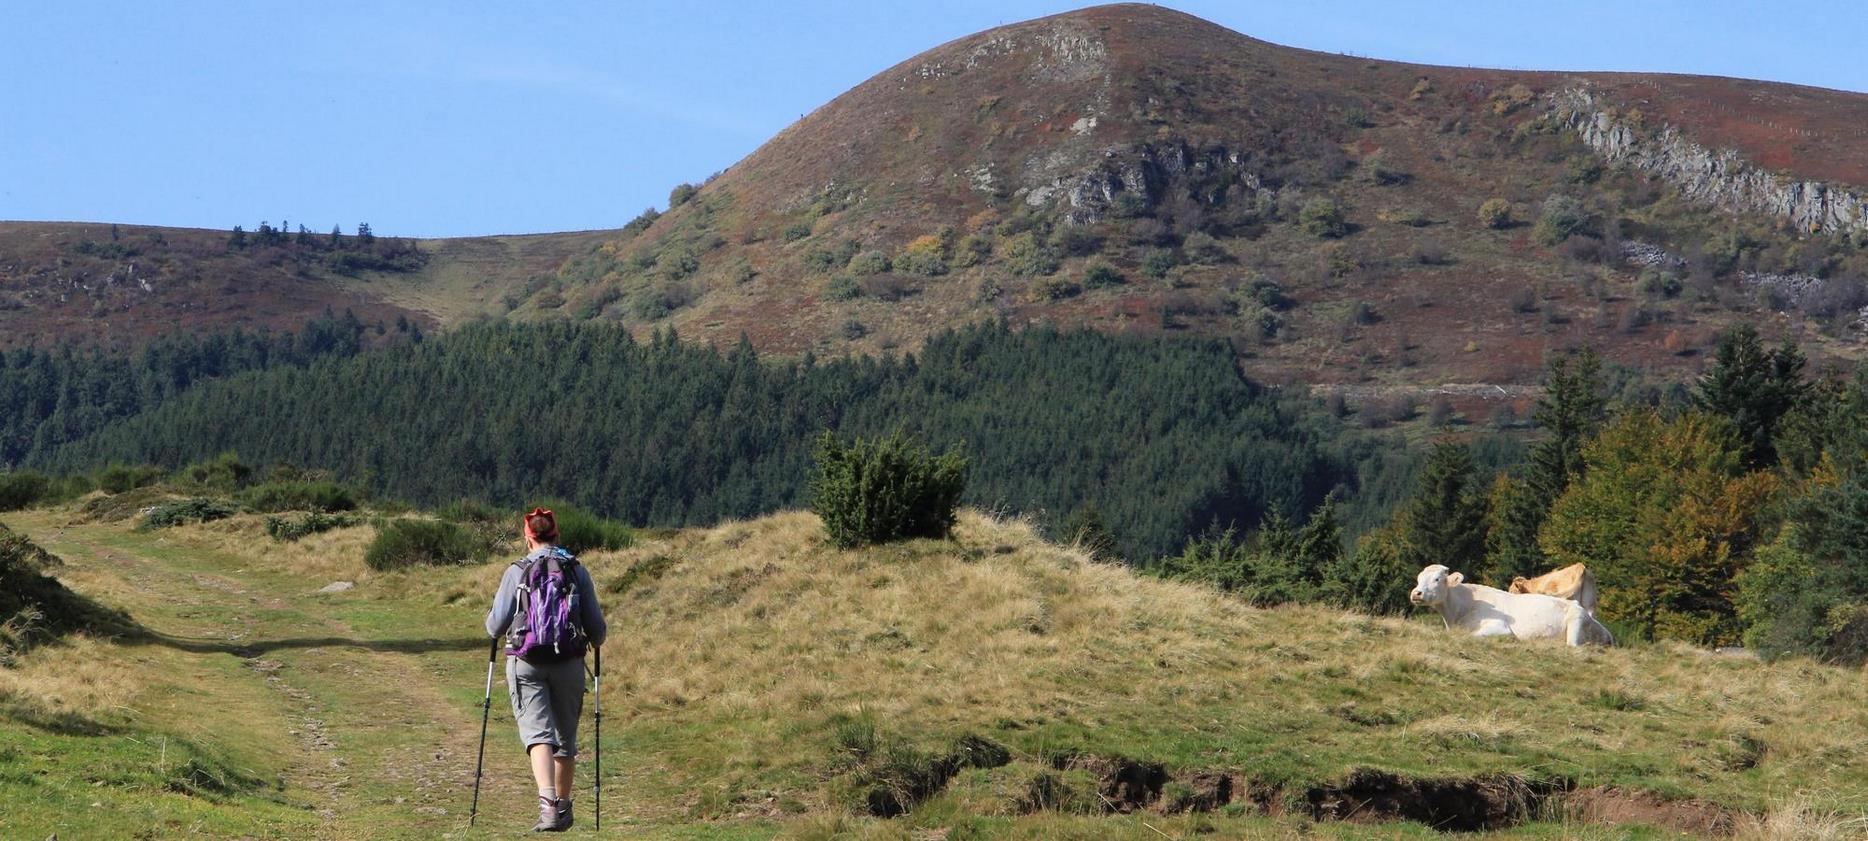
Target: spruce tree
[(1754, 388), (1446, 522), (1571, 411)]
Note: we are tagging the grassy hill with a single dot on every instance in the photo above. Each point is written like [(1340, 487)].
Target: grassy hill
[(760, 684), (120, 285), (1136, 169)]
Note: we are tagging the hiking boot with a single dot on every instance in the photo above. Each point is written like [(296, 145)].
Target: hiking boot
[(564, 813), (549, 818)]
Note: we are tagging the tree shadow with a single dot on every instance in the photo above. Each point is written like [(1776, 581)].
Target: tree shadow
[(57, 722), (255, 648)]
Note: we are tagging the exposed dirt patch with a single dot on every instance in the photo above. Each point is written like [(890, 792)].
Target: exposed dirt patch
[(1461, 805), (1614, 805), (1125, 784)]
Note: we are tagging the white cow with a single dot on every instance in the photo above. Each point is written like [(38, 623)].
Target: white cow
[(1491, 612)]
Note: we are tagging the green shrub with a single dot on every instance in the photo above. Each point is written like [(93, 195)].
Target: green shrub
[(22, 489), (1053, 288), (196, 510), (118, 478), (831, 259), (876, 491), (1203, 249), (404, 542), (926, 255), (580, 531), (1158, 262), (674, 264), (842, 288), (869, 262), (1270, 294), (273, 497), (288, 529), (223, 473), (1658, 283), (1026, 255), (1322, 217), (642, 221), (972, 250), (1562, 217), (1098, 275), (795, 231), (1130, 206), (680, 195), (495, 529)]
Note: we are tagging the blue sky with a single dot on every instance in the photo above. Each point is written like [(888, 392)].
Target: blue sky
[(462, 118)]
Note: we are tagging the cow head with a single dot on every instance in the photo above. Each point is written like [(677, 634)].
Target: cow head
[(1431, 585)]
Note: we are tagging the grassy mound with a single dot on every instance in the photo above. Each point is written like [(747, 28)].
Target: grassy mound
[(35, 608), (766, 671)]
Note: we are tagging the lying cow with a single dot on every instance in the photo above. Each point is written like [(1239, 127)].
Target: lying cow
[(1491, 612), (1572, 582)]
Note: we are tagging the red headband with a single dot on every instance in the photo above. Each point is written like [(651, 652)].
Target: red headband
[(550, 531)]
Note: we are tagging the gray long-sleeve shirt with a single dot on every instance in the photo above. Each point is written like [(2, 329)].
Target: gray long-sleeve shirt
[(506, 602)]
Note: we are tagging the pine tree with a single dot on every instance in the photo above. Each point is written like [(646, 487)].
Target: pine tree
[(1446, 519), (238, 240), (1319, 544), (1754, 389), (1514, 513), (1572, 410)]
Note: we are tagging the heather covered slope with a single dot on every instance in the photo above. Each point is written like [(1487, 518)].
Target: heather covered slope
[(1136, 169), (760, 684), (122, 285)]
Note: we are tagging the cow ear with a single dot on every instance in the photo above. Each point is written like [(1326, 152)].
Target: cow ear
[(1455, 578)]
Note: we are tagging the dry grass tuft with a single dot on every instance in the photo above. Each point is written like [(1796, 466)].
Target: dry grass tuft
[(1801, 818), (83, 678)]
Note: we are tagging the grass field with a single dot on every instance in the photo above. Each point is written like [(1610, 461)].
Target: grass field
[(760, 684)]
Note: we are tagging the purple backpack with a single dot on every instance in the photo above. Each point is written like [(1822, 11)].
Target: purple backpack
[(546, 622)]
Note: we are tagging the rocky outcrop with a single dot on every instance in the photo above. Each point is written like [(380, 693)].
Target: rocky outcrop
[(1720, 177), (1212, 176)]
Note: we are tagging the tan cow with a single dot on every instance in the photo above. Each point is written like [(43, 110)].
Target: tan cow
[(1572, 582)]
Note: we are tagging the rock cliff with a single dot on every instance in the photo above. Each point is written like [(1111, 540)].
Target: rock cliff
[(1720, 177)]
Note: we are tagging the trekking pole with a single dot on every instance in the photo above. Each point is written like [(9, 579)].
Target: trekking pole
[(486, 711), (596, 778)]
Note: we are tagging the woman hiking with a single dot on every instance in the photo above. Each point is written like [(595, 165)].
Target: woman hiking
[(547, 610)]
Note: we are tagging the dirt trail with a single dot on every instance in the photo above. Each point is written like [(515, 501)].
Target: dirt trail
[(378, 749)]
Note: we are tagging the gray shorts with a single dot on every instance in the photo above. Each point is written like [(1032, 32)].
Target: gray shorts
[(547, 698)]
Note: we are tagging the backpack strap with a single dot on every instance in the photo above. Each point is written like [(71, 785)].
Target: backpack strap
[(515, 628)]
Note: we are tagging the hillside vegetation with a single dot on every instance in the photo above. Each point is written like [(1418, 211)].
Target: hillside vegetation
[(1164, 437), (1341, 221), (124, 286), (1338, 219), (760, 683)]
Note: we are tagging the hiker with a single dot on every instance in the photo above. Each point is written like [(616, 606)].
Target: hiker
[(547, 610)]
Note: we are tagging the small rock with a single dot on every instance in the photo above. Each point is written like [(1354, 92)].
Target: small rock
[(336, 587)]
